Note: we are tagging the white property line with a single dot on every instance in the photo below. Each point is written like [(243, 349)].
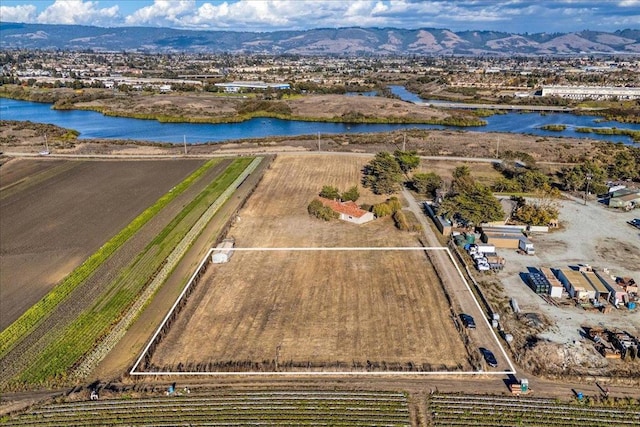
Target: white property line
[(319, 373), (504, 353)]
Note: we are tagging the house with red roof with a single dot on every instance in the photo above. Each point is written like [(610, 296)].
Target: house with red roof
[(348, 211)]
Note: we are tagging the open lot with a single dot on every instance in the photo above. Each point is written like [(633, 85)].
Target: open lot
[(330, 310), (54, 217), (591, 234)]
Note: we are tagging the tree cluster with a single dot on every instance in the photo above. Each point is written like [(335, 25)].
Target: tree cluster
[(385, 173), (426, 183), (333, 193), (470, 200), (541, 211)]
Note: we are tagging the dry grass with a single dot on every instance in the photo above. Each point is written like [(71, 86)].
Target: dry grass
[(328, 310)]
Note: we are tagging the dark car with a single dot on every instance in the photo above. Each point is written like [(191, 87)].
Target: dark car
[(635, 222), (489, 357), (468, 321)]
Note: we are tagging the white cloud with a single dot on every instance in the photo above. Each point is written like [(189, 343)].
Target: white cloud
[(162, 12), (21, 13), (78, 12)]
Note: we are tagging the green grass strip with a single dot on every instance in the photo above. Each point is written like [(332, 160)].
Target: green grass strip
[(31, 318), (86, 330)]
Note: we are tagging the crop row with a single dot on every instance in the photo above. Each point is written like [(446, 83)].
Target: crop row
[(41, 310), (118, 331), (94, 323), (235, 409), (500, 411)]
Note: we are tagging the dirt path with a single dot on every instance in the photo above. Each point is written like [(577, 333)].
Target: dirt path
[(463, 299)]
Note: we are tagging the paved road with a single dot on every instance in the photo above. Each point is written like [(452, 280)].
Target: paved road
[(483, 335), (464, 105)]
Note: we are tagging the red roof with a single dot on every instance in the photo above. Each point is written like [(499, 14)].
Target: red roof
[(348, 208)]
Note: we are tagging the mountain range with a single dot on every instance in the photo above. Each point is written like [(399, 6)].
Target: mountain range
[(321, 41)]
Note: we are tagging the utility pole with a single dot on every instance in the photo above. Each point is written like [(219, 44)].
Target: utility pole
[(184, 138), (318, 141), (586, 191), (497, 148), (404, 142)]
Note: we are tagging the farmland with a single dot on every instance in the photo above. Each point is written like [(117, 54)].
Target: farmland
[(67, 327), (43, 203), (273, 407), (470, 410), (330, 310)]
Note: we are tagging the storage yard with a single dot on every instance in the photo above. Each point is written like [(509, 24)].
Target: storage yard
[(318, 310), (573, 267)]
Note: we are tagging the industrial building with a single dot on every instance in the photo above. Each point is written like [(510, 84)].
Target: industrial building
[(576, 284), (625, 198), (507, 237), (593, 92), (234, 87)]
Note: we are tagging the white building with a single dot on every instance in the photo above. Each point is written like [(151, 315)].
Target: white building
[(593, 92), (238, 86)]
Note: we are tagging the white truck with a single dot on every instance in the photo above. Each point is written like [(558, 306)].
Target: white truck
[(525, 245)]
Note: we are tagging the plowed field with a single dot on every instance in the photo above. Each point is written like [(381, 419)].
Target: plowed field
[(53, 217), (319, 310)]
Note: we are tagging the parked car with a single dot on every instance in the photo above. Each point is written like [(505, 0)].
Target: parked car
[(489, 357), (635, 222), (468, 321)]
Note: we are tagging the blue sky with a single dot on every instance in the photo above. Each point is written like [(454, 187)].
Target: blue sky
[(520, 16)]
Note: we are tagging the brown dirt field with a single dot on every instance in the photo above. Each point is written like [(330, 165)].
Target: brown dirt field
[(51, 225), (203, 105), (327, 106), (319, 307)]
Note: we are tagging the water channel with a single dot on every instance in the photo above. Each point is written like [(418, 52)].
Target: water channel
[(91, 124)]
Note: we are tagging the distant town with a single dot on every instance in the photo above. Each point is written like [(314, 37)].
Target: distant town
[(589, 76)]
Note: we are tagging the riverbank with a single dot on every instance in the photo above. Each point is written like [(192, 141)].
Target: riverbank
[(28, 137)]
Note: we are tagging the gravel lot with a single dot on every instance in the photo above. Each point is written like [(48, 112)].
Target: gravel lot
[(591, 234)]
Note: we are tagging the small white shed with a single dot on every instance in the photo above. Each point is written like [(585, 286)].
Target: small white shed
[(223, 252)]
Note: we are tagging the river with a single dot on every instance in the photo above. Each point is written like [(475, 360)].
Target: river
[(91, 124)]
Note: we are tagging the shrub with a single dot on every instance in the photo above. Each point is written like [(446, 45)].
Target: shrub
[(401, 221), (382, 209), (330, 192), (352, 194), (317, 209)]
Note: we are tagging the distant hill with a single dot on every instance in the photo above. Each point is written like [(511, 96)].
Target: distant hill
[(321, 41)]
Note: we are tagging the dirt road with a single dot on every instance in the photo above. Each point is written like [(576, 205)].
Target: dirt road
[(463, 298)]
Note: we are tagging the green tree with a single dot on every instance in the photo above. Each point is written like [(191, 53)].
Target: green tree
[(462, 180), (531, 180), (506, 185), (330, 192), (426, 183), (624, 166), (533, 214), (476, 205), (382, 174), (352, 194), (408, 160)]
